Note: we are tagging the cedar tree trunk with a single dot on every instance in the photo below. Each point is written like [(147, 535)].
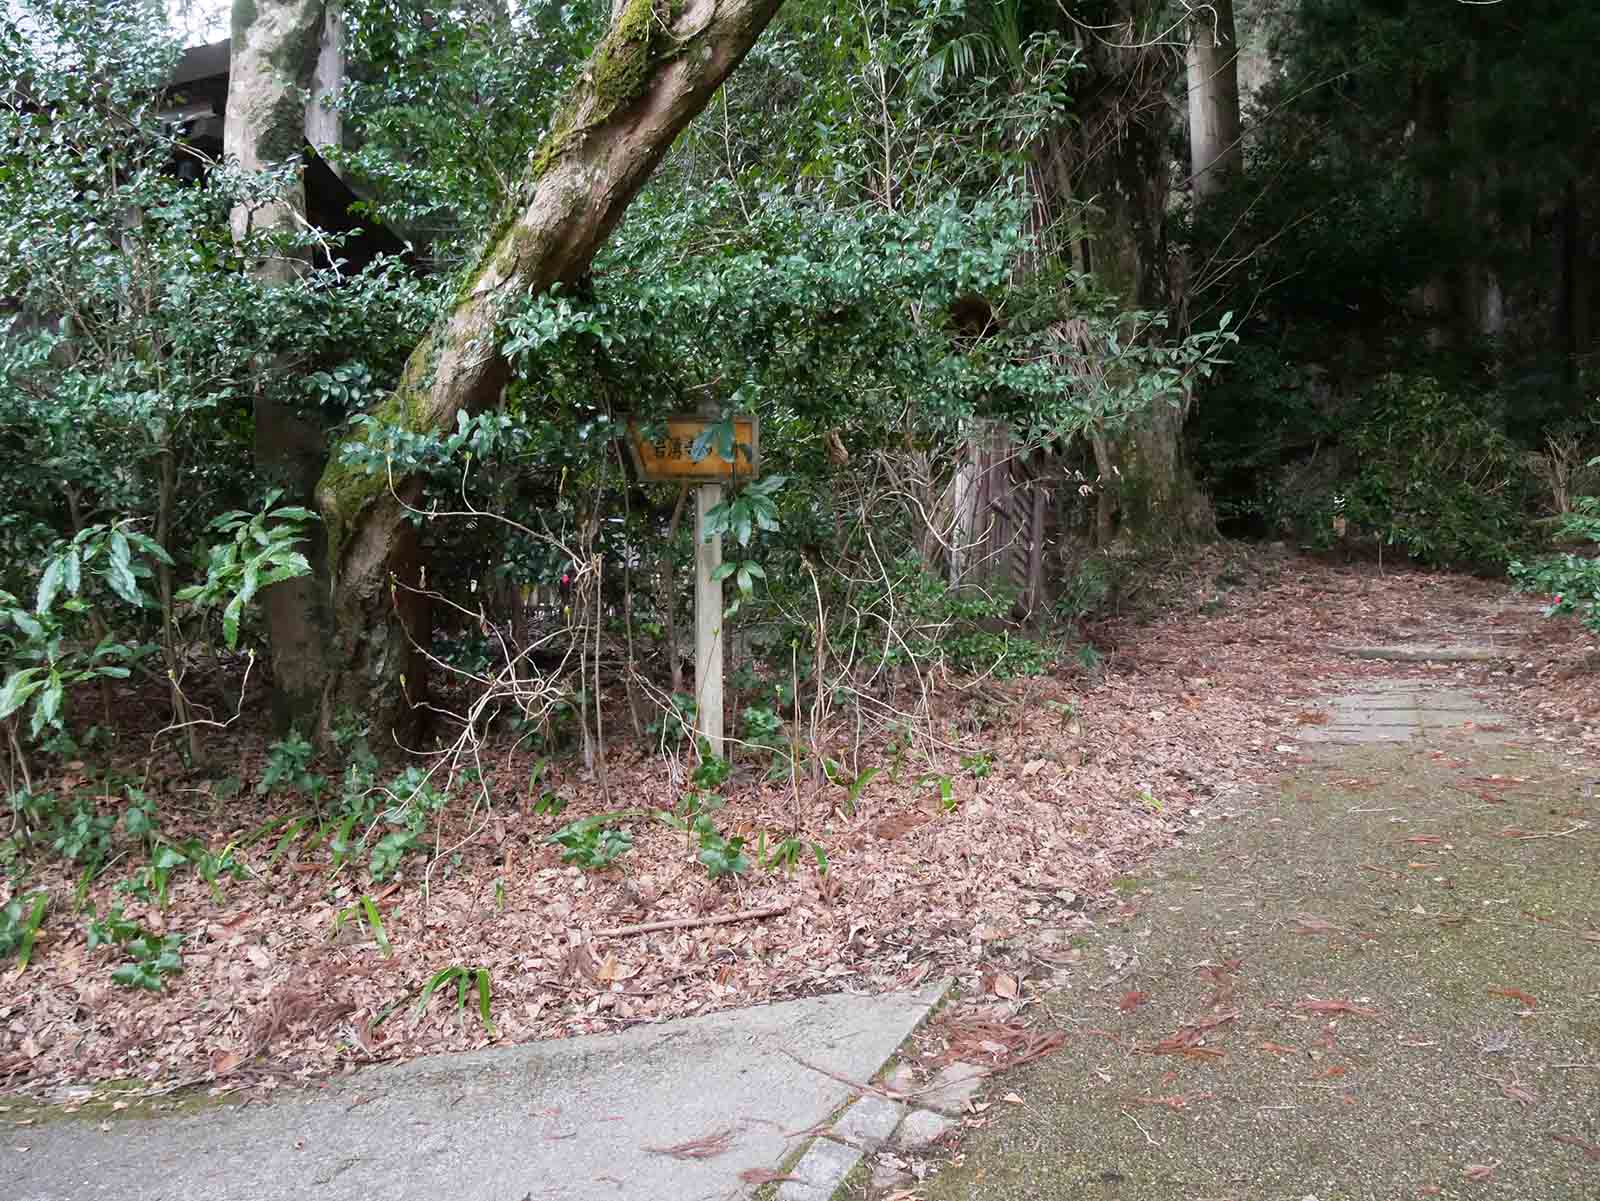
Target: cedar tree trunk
[(1213, 67)]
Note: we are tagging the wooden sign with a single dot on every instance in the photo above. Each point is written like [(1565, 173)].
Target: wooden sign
[(669, 457)]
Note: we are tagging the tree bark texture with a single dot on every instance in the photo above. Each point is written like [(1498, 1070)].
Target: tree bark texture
[(283, 50), (654, 70), (1215, 149), (1124, 131)]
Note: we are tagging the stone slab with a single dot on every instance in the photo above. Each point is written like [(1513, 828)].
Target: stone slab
[(1396, 711), (1422, 653), (870, 1121), (820, 1172), (953, 1087), (921, 1129), (573, 1119)]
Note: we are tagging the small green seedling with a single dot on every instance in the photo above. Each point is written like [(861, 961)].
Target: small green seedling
[(464, 978), (365, 914), (978, 766), (591, 844), (852, 785), (19, 926)]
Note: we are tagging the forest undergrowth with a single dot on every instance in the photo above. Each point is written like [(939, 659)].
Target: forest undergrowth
[(238, 939)]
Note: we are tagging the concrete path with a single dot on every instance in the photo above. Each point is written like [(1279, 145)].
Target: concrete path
[(1380, 981), (1398, 710), (584, 1119)]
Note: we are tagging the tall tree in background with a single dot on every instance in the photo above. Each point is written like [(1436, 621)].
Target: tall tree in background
[(285, 65), (1215, 145)]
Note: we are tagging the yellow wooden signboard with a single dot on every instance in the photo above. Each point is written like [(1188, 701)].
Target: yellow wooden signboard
[(668, 456)]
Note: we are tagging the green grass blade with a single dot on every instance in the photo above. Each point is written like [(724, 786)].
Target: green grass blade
[(293, 832), (483, 999), (441, 977), (31, 931), (378, 931)]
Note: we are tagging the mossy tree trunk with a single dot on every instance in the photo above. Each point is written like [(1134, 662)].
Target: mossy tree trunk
[(1125, 133), (277, 49), (658, 66)]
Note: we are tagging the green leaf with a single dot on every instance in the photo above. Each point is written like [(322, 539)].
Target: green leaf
[(724, 569), (27, 624), (49, 703), (119, 574), (19, 686), (72, 571), (252, 581), (230, 621), (31, 930), (49, 586), (444, 976), (168, 858), (376, 920), (149, 546)]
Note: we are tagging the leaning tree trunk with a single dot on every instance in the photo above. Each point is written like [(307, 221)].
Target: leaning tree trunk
[(658, 66), (1215, 150), (283, 50)]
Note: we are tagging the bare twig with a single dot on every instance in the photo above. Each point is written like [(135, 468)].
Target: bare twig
[(687, 923)]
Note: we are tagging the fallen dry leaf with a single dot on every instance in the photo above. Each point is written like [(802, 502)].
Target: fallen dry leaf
[(1517, 1093), (1305, 923), (1479, 1171), (1132, 1000), (1515, 994), (1590, 1150), (707, 1146), (760, 1176), (1335, 1006), (1176, 1101)]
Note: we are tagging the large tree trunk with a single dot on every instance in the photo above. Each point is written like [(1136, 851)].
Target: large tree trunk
[(657, 67), (1126, 126), (1215, 150), (281, 51)]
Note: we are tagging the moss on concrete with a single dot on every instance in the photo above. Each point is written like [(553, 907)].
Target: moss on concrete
[(117, 1101), (1434, 938)]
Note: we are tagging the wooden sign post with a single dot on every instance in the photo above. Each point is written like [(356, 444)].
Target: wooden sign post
[(707, 621), (669, 457)]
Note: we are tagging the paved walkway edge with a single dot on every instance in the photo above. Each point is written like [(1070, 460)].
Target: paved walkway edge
[(867, 1122)]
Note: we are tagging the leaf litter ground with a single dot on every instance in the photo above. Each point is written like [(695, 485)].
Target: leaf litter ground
[(1091, 774)]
